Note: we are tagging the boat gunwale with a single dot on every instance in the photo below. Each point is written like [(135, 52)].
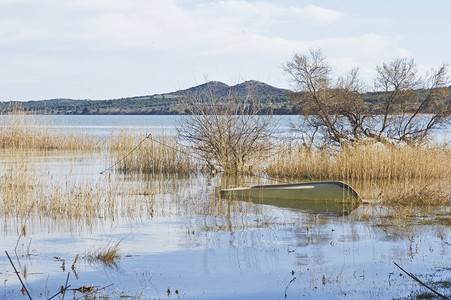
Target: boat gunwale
[(294, 185)]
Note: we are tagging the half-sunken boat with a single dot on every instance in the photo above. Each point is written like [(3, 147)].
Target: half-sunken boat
[(310, 191), (323, 197)]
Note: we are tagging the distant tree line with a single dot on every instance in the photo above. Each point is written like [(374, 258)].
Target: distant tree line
[(273, 101)]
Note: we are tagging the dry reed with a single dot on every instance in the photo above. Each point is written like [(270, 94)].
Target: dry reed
[(395, 174), (25, 185), (24, 130), (436, 193), (362, 162), (108, 254), (399, 174), (161, 155)]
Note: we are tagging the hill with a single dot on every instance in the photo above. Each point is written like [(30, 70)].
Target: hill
[(217, 87), (169, 103)]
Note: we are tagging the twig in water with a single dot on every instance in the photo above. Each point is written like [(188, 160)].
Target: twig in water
[(90, 290), (66, 286), (294, 278), (148, 136), (24, 228), (75, 261), (17, 273), (63, 288), (420, 282)]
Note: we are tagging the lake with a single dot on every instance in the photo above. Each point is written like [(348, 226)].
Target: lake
[(179, 240), (105, 125)]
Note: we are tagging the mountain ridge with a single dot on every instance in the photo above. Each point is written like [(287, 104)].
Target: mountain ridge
[(275, 100), (218, 86), (165, 103)]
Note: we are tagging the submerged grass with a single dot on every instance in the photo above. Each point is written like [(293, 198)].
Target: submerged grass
[(108, 254), (27, 185), (362, 162), (404, 177), (431, 193), (396, 175), (164, 155)]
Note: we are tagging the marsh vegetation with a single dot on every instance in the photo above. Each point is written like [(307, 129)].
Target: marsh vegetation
[(168, 229)]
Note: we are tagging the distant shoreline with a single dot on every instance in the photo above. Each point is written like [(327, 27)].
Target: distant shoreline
[(274, 100)]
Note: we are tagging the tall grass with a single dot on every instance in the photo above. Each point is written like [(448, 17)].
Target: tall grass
[(28, 187), (24, 130), (161, 155), (394, 174), (362, 162)]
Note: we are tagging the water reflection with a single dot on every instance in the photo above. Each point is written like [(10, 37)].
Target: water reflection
[(315, 207)]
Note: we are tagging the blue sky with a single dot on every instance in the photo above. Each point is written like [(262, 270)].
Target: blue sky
[(102, 49)]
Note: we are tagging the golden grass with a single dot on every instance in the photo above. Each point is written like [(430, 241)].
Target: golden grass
[(161, 155), (435, 193), (27, 185), (398, 175), (401, 175), (362, 162), (23, 130), (108, 254)]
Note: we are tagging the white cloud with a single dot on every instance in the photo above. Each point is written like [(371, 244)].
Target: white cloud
[(211, 26), (315, 13), (220, 38), (401, 52), (270, 10), (367, 45)]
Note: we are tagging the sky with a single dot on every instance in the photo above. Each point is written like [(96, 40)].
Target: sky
[(104, 49)]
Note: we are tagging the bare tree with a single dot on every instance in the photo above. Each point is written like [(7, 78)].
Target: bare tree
[(337, 110), (407, 98), (226, 130), (334, 109)]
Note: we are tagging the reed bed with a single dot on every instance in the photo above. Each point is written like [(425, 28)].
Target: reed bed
[(28, 189), (362, 162), (422, 193), (161, 155), (29, 197), (394, 174), (24, 130)]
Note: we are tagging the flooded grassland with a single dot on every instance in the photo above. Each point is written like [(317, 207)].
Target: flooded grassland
[(74, 232)]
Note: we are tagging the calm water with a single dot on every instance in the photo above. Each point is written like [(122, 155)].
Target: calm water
[(183, 241), (103, 126)]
